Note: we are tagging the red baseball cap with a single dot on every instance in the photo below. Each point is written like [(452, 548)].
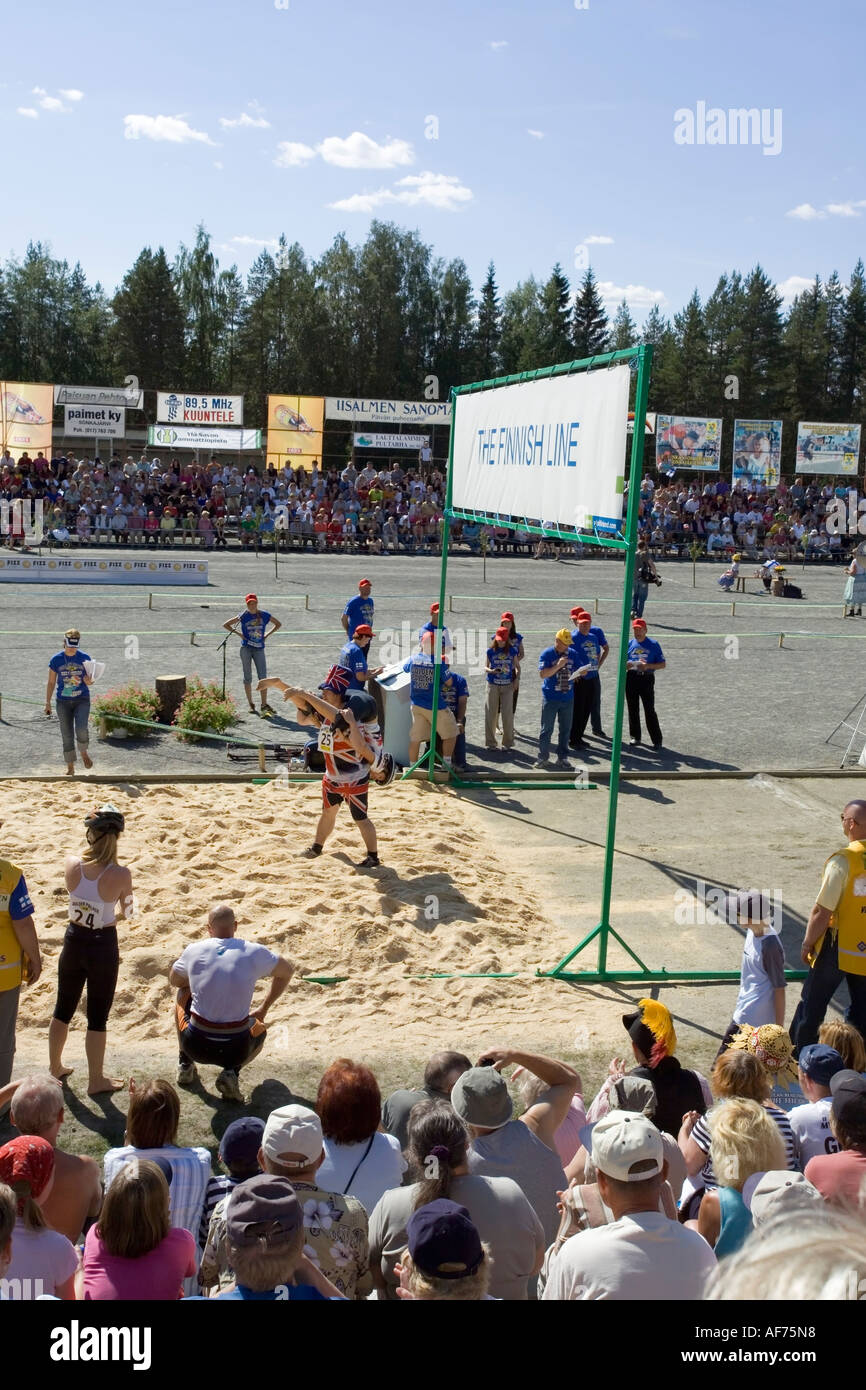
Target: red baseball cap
[(582, 616), (434, 607), (574, 611), (507, 615), (362, 582), (364, 630), (502, 633), (639, 622), (251, 598)]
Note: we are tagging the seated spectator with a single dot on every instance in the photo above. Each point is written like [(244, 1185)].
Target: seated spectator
[(847, 1041), (524, 1149), (439, 1157), (76, 1193), (818, 1256), (43, 1261), (642, 1255), (440, 1076), (817, 1065), (445, 1260), (151, 1132), (743, 1140), (735, 1074), (335, 1226), (7, 1227), (653, 1043), (841, 1177), (265, 1235), (358, 1159), (239, 1155), (636, 1094), (532, 1090), (134, 1252)]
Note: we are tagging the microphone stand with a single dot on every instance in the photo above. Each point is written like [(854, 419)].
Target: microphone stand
[(222, 648)]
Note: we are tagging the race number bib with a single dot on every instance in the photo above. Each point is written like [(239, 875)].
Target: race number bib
[(326, 738), (84, 914)]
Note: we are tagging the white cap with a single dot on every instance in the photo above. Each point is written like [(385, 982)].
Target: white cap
[(293, 1136), (621, 1140)]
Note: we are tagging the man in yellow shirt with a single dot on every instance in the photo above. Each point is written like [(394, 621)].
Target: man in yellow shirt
[(834, 946), (19, 957)]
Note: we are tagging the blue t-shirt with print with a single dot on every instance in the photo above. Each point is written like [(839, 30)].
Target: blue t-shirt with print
[(20, 902), (645, 650), (558, 687), (501, 659), (588, 650), (422, 669), (358, 610), (70, 676), (354, 658), (454, 688), (253, 628), (286, 1293)]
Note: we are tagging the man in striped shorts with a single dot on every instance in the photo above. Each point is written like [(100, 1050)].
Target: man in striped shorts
[(351, 745)]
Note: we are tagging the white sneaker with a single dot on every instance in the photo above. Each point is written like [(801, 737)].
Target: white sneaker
[(187, 1074), (228, 1085)]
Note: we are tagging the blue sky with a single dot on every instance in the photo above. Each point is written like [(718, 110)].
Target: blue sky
[(126, 125)]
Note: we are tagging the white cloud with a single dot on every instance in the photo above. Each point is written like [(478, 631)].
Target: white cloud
[(217, 164), (850, 209), (28, 111), (173, 129), (794, 285), (71, 93), (245, 122), (358, 151), (47, 103), (496, 44), (292, 155), (636, 296), (598, 241), (536, 134), (442, 191), (805, 212), (244, 240)]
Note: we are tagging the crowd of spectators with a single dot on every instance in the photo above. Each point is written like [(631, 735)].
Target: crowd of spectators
[(466, 1188)]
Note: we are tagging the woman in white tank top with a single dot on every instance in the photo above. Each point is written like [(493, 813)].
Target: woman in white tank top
[(90, 955)]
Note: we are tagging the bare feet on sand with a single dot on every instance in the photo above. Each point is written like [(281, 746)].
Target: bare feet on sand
[(62, 1072), (86, 758), (103, 1084)]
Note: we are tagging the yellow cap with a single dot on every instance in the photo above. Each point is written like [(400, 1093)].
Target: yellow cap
[(563, 636)]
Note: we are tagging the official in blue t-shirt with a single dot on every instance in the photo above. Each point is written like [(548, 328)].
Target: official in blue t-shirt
[(67, 674), (456, 691), (359, 610), (354, 657), (254, 628), (598, 633), (516, 638), (645, 657), (500, 669), (556, 665), (422, 670)]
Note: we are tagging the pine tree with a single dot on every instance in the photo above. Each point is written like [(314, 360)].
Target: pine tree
[(196, 272), (689, 387), (834, 315), (488, 330), (521, 343), (623, 332), (147, 332), (804, 342), (852, 365), (590, 319), (556, 314), (454, 335), (757, 348)]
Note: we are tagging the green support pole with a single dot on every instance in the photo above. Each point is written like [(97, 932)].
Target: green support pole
[(443, 579), (644, 361)]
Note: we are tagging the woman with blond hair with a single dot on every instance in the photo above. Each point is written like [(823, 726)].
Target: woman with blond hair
[(847, 1040), (67, 673), (743, 1140), (96, 883), (134, 1252)]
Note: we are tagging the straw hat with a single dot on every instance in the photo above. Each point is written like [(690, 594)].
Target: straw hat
[(772, 1046)]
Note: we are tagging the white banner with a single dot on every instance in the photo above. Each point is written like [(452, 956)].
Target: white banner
[(52, 569), (172, 408), (130, 397), (199, 437), (551, 450), (363, 410), (391, 441), (95, 421)]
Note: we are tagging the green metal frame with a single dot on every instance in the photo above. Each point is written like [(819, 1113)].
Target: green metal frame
[(603, 931)]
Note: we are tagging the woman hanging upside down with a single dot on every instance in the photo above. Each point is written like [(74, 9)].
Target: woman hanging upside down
[(351, 744)]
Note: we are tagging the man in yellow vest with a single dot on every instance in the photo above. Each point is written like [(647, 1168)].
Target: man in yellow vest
[(19, 957), (834, 946)]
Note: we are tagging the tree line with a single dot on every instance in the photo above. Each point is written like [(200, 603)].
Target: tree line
[(383, 317)]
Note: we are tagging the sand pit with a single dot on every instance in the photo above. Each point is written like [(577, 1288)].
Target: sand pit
[(448, 898)]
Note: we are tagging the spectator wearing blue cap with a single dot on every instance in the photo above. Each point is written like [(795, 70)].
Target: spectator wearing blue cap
[(445, 1261), (239, 1155), (817, 1065)]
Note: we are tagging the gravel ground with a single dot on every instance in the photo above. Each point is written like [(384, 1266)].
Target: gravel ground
[(730, 698)]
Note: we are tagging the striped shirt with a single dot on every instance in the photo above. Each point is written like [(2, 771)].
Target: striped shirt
[(701, 1136)]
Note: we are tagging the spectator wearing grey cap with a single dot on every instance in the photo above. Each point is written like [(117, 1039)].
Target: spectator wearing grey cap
[(841, 1177), (642, 1255), (810, 1123), (265, 1235), (523, 1149)]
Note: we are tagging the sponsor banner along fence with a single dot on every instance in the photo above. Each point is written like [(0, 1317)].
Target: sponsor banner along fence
[(52, 569)]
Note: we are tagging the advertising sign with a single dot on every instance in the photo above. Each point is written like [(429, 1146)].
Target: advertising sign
[(95, 421), (193, 437), (372, 412), (295, 431), (26, 413), (172, 408)]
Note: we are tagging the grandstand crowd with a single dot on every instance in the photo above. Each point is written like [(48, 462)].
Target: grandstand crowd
[(148, 502)]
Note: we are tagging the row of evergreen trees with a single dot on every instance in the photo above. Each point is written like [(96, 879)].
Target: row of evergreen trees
[(381, 318)]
